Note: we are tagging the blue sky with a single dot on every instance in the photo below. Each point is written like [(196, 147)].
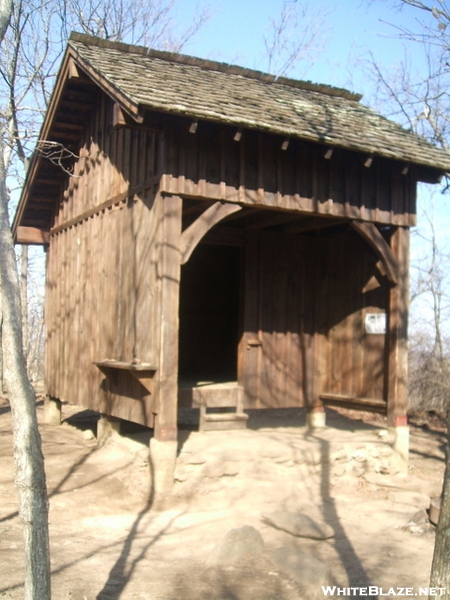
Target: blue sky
[(353, 29)]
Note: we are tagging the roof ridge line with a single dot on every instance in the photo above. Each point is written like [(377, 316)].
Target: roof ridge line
[(213, 65)]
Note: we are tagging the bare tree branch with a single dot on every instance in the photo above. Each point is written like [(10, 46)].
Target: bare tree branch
[(295, 38)]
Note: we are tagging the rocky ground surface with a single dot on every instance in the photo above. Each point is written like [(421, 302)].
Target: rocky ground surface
[(272, 512)]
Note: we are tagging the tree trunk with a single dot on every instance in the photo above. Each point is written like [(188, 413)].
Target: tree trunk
[(1, 349), (24, 298), (29, 461), (6, 7), (440, 568)]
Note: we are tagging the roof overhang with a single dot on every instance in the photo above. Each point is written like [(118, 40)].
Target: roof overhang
[(64, 123), (74, 73)]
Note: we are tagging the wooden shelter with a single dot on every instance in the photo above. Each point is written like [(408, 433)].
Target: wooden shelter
[(221, 238)]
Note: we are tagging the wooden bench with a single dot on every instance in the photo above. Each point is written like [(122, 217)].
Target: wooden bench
[(220, 404)]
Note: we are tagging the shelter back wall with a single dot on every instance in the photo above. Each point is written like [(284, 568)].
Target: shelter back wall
[(304, 320)]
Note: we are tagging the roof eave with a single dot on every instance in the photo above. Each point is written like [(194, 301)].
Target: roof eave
[(131, 107), (43, 134), (432, 170)]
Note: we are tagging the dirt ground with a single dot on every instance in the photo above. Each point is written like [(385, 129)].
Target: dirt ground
[(108, 543)]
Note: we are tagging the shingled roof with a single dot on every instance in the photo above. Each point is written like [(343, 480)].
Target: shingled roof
[(208, 90)]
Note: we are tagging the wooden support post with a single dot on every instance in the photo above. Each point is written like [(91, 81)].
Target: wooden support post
[(397, 343), (52, 411), (163, 447), (396, 386), (169, 278)]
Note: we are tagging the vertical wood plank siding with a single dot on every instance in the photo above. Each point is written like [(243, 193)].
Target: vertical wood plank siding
[(258, 171), (102, 277), (113, 275), (309, 317)]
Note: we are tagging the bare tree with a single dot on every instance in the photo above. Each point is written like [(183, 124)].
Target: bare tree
[(152, 23), (430, 304), (6, 7), (416, 92), (29, 460), (295, 39)]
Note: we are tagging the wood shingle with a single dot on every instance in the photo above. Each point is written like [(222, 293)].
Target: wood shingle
[(222, 93)]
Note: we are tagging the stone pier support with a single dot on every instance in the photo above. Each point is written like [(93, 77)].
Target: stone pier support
[(316, 417), (399, 435), (106, 426), (52, 411), (163, 456)]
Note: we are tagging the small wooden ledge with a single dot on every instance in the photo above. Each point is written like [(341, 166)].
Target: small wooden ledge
[(369, 404), (143, 372), (126, 366)]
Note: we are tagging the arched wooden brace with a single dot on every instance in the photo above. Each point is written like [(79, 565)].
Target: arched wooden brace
[(200, 227), (374, 238)]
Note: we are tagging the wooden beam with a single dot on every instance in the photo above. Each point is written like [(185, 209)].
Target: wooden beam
[(63, 125), (396, 381), (372, 284), (130, 106), (132, 191), (315, 224), (118, 115), (195, 232), (50, 182), (63, 136), (32, 236), (374, 238), (225, 236), (122, 119), (73, 71), (78, 106), (169, 272), (271, 219)]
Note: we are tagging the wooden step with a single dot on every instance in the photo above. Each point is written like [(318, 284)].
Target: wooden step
[(210, 394), (222, 421)]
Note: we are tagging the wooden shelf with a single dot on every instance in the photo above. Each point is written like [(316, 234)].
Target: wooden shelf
[(143, 372), (126, 366), (370, 404)]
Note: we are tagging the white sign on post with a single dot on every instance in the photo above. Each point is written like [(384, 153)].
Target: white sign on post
[(375, 323)]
